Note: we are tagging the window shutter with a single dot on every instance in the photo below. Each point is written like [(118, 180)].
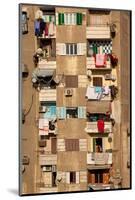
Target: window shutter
[(61, 112), (77, 177), (59, 18), (82, 112), (56, 19), (62, 18), (94, 144), (81, 49), (68, 177), (60, 49), (79, 18)]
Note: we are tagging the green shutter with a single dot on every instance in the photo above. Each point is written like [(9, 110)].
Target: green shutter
[(79, 18), (59, 18), (62, 16), (94, 144)]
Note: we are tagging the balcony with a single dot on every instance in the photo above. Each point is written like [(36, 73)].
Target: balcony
[(99, 158), (98, 93), (47, 95), (90, 63), (98, 32), (48, 159), (91, 127), (47, 64)]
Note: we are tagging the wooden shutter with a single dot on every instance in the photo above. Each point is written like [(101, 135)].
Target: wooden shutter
[(71, 81), (68, 177), (105, 178), (82, 112), (53, 145), (72, 144), (61, 112), (77, 177), (97, 81)]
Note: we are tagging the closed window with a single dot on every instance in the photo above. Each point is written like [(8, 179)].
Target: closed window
[(71, 81), (98, 176), (72, 145), (71, 49), (97, 81)]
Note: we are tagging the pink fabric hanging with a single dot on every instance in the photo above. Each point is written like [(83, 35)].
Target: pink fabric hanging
[(100, 60)]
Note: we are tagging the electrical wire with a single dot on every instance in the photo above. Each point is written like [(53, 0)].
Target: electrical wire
[(25, 114)]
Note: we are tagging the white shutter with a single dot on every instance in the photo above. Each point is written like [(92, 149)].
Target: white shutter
[(68, 177), (77, 177), (81, 49), (56, 18), (60, 49)]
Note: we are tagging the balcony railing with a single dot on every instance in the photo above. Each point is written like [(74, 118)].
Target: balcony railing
[(99, 158), (91, 127), (90, 63), (44, 64), (98, 32), (47, 95), (48, 159)]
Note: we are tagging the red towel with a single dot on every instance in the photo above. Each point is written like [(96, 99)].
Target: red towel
[(100, 125)]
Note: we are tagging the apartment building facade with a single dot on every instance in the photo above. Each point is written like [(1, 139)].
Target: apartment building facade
[(82, 111)]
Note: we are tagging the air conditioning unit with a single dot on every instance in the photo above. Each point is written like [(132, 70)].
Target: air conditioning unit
[(68, 92), (47, 169)]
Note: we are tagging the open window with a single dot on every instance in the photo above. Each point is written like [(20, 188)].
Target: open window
[(94, 117), (24, 20), (72, 144), (98, 145), (98, 176), (48, 47), (72, 112)]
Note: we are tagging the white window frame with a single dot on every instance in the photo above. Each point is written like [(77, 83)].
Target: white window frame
[(70, 18)]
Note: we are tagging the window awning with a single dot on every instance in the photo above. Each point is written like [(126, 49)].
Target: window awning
[(98, 106)]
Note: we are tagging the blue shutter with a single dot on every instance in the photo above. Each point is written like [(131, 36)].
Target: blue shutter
[(82, 112), (61, 112)]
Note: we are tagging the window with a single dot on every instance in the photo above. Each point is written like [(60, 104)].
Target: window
[(98, 176), (72, 112), (97, 145), (97, 81), (72, 177), (71, 81), (72, 144), (71, 49), (70, 18), (24, 19)]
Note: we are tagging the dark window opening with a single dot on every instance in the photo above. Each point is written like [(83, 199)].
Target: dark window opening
[(94, 117), (53, 179), (72, 177), (97, 81), (97, 145), (72, 113)]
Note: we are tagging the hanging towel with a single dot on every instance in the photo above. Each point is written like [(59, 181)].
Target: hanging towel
[(51, 29), (100, 125), (94, 49), (106, 90), (46, 29), (42, 26), (98, 89), (37, 27), (100, 60)]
